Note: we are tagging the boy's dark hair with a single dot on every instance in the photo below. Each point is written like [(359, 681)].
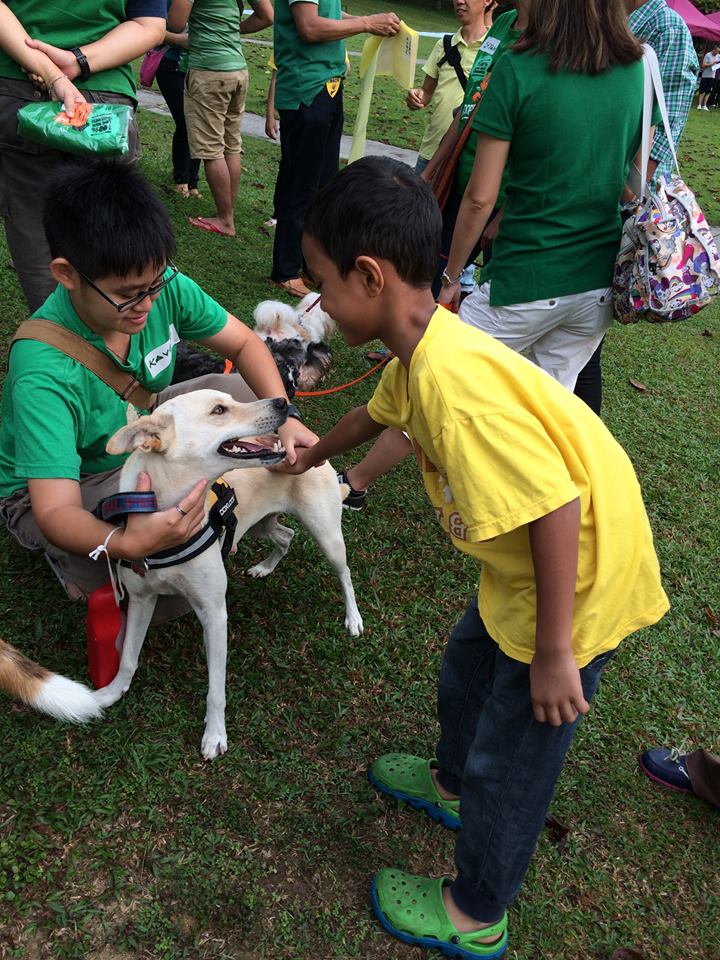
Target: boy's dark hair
[(104, 217), (378, 207)]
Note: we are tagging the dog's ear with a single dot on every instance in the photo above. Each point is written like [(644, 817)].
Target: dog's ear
[(153, 432)]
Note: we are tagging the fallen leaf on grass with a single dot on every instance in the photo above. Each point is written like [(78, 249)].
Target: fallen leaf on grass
[(640, 387), (707, 333), (558, 830), (626, 954), (711, 615)]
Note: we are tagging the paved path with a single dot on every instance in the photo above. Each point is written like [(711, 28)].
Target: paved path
[(254, 126)]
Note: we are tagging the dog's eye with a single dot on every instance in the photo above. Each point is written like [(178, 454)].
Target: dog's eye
[(218, 410)]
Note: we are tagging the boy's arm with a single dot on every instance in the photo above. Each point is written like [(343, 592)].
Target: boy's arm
[(555, 687), (355, 428), (271, 124), (261, 17), (59, 513), (255, 362)]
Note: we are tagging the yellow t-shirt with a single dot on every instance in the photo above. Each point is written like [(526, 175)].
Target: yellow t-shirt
[(448, 93), (500, 444)]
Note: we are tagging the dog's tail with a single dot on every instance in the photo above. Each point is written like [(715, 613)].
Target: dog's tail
[(45, 691)]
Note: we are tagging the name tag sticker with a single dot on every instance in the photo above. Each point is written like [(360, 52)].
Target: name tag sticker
[(490, 45)]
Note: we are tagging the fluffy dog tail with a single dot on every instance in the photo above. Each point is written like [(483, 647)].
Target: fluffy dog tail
[(45, 691)]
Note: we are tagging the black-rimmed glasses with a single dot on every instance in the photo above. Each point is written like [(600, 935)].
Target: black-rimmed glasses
[(150, 292)]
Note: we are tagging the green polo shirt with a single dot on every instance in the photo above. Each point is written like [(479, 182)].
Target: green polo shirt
[(57, 416), (304, 68), (69, 25), (573, 137), (214, 36)]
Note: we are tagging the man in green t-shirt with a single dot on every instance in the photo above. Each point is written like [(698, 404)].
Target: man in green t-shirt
[(310, 57), (75, 58), (118, 290), (215, 90)]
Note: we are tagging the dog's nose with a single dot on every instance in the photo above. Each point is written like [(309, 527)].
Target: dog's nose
[(280, 404)]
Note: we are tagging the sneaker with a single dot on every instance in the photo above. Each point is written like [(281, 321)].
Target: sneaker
[(355, 500), (705, 108), (667, 767)]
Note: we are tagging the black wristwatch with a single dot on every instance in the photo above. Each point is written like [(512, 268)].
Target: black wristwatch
[(292, 411), (82, 62)]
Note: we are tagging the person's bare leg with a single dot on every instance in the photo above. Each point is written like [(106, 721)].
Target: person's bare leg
[(219, 180), (234, 166), (390, 448)]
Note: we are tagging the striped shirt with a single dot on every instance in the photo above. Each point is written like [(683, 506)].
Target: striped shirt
[(666, 32)]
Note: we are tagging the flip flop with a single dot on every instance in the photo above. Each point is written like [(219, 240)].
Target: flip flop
[(376, 356), (412, 909), (202, 224)]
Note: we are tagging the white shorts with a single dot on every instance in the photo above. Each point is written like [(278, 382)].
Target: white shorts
[(559, 335)]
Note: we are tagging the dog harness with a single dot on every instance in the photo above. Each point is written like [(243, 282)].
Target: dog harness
[(221, 519)]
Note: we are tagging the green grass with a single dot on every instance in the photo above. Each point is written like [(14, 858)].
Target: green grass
[(117, 842)]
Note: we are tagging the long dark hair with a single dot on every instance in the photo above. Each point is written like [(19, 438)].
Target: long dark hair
[(583, 36)]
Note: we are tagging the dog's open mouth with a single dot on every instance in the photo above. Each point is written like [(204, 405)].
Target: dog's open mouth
[(268, 449)]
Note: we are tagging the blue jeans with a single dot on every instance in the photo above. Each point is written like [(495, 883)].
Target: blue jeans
[(500, 760)]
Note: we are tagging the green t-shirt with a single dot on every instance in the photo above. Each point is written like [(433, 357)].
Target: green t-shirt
[(72, 25), (214, 36), (573, 137), (304, 68), (57, 416), (499, 38)]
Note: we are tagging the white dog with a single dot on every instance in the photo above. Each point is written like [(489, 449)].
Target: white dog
[(308, 322), (188, 438)]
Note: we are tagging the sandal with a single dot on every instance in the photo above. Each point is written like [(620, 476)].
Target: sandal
[(377, 356), (295, 287), (408, 778), (411, 908)]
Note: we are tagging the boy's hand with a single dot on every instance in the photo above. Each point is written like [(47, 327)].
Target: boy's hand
[(300, 465), (271, 126), (295, 435), (555, 689), (148, 533), (416, 99)]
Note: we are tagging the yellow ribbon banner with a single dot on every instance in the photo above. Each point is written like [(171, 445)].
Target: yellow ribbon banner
[(383, 56)]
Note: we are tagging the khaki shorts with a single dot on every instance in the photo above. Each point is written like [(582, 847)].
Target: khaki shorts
[(214, 108)]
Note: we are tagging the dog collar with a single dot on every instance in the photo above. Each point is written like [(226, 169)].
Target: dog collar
[(115, 508), (221, 519)]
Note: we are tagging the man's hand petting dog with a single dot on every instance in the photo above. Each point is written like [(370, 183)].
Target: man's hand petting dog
[(148, 533), (295, 436)]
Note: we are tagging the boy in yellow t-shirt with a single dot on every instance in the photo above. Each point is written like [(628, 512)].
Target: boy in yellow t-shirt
[(523, 476)]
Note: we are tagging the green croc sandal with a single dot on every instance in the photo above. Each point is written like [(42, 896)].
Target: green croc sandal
[(408, 778), (412, 909)]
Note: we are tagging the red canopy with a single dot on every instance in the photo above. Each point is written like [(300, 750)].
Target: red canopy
[(715, 17), (698, 24)]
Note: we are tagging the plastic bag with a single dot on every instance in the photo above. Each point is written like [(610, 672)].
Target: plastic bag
[(99, 128)]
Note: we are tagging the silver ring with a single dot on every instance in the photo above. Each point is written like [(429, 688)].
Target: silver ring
[(183, 513)]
